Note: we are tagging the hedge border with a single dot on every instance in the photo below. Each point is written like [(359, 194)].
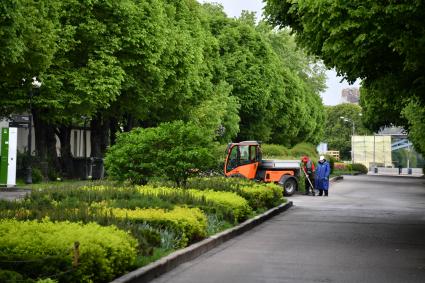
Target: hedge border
[(163, 265)]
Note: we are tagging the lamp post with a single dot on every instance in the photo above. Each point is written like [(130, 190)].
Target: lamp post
[(352, 136), (35, 84)]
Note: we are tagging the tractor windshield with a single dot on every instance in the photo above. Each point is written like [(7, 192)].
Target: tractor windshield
[(242, 155)]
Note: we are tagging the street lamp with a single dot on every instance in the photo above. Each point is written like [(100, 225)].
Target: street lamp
[(35, 85)]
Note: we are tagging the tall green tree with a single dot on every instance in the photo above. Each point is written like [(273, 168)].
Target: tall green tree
[(29, 31), (276, 104), (379, 42), (302, 117), (338, 131)]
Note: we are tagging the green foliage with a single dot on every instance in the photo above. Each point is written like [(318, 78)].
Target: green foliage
[(176, 150), (189, 223), (262, 196), (219, 114), (380, 107), (358, 167), (415, 113), (228, 204), (338, 132), (37, 176), (259, 195), (331, 160), (215, 224), (274, 151), (45, 248), (301, 149), (226, 201), (296, 152), (274, 82), (26, 51), (13, 277), (379, 42)]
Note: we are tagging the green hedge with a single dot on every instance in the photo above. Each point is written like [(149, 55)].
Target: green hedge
[(190, 223), (358, 167), (260, 196), (224, 202), (44, 249)]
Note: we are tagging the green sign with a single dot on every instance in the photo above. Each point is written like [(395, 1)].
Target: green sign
[(4, 151)]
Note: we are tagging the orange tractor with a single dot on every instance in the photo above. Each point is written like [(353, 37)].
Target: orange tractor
[(244, 159)]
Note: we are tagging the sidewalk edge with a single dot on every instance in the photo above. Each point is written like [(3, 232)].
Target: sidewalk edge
[(334, 179)]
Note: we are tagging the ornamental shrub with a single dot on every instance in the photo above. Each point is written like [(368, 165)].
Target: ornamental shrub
[(189, 223), (226, 201), (259, 195), (359, 168), (229, 204), (44, 249), (262, 195), (175, 150)]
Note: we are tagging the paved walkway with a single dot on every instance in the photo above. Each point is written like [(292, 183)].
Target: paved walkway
[(370, 229)]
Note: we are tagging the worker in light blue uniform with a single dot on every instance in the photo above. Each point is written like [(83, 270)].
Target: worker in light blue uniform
[(323, 170)]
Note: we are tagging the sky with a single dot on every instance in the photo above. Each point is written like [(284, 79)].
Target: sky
[(233, 8)]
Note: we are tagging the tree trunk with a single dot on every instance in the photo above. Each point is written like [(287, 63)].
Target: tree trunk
[(99, 136), (113, 127), (130, 123), (45, 145), (67, 161), (96, 136)]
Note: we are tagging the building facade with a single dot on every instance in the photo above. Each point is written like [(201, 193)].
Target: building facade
[(350, 95), (372, 151)]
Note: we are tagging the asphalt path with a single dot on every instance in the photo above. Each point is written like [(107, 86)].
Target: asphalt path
[(369, 229)]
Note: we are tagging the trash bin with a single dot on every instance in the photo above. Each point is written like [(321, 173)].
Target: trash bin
[(409, 171)]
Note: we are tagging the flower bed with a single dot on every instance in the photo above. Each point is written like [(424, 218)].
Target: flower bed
[(159, 220)]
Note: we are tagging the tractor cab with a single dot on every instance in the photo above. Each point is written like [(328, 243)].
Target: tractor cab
[(243, 159)]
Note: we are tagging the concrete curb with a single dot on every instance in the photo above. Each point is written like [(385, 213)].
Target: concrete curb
[(334, 179), (163, 265)]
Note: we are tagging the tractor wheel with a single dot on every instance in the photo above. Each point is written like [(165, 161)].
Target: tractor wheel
[(289, 187)]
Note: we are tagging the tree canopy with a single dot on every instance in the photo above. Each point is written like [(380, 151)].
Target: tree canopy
[(118, 65), (380, 42)]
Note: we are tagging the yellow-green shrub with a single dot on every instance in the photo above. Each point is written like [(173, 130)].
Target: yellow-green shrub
[(262, 195), (191, 223), (259, 195), (228, 202), (39, 249)]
